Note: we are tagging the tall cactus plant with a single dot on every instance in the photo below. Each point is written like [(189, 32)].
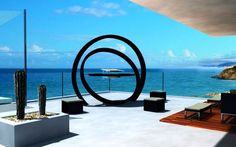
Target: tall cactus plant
[(20, 93), (42, 99)]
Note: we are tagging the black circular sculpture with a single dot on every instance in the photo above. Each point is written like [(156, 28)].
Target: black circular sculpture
[(140, 78)]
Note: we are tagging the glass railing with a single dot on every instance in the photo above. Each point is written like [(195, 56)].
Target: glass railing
[(52, 78)]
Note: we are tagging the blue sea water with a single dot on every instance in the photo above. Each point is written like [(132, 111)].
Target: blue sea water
[(182, 82)]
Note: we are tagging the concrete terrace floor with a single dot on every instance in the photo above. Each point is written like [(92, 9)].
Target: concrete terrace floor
[(129, 126)]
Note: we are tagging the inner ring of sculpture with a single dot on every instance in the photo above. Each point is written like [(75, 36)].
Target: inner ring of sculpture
[(94, 94), (86, 46)]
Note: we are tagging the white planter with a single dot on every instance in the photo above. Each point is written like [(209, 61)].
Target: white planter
[(28, 133)]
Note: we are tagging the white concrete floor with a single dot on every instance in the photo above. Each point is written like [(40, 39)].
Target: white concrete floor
[(130, 126)]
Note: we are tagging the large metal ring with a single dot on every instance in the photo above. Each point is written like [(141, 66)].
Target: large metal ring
[(94, 94), (140, 81)]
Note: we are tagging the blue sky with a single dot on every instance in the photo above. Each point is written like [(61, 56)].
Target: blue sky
[(57, 29)]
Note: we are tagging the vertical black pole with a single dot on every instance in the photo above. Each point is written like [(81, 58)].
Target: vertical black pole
[(62, 84), (25, 53), (163, 83), (109, 80)]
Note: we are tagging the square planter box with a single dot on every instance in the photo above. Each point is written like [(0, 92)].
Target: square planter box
[(22, 134)]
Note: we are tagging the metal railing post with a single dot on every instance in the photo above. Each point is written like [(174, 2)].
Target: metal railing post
[(25, 53), (62, 84), (163, 81), (109, 84)]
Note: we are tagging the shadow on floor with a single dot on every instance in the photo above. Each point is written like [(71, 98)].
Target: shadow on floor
[(84, 112), (138, 103), (157, 112), (72, 115), (55, 140), (229, 139), (164, 111), (71, 118)]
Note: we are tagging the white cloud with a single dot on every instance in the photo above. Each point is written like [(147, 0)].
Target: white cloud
[(5, 49), (220, 60), (36, 49), (75, 9), (121, 12), (121, 48), (189, 54), (59, 11), (96, 12), (111, 5), (171, 54), (97, 9), (70, 55), (89, 11), (77, 37)]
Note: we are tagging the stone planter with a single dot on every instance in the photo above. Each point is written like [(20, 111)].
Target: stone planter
[(22, 134)]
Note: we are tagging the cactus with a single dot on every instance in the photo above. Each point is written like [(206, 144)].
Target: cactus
[(20, 93), (42, 99)]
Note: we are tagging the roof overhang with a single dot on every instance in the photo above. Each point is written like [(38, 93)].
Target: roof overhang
[(213, 17)]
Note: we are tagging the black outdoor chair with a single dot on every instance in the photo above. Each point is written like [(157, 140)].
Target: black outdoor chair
[(228, 104)]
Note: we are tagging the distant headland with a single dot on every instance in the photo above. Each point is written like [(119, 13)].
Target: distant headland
[(227, 74)]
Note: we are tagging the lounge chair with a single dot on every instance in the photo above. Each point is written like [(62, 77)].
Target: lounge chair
[(215, 99), (232, 91), (228, 104), (198, 108)]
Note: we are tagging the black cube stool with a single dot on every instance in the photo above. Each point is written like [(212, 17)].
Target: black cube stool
[(72, 105), (157, 93), (154, 104)]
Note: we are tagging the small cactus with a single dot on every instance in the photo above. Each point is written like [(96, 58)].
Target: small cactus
[(20, 93), (42, 99)]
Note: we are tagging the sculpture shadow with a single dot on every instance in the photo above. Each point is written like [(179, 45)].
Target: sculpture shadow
[(138, 103), (70, 135), (229, 139)]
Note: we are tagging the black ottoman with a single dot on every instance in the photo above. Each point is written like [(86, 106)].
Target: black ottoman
[(154, 104), (156, 93), (72, 106)]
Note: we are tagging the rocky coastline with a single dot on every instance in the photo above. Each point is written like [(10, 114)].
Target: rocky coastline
[(227, 74)]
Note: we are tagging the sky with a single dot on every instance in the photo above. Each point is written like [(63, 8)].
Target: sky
[(58, 29)]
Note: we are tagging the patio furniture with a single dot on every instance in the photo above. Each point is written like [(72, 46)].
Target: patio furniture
[(157, 93), (154, 104), (215, 99), (228, 104), (198, 108), (233, 91), (72, 106)]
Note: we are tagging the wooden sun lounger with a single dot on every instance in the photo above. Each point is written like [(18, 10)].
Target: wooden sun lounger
[(198, 108), (216, 100)]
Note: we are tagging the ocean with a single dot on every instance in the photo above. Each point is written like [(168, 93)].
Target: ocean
[(180, 82)]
